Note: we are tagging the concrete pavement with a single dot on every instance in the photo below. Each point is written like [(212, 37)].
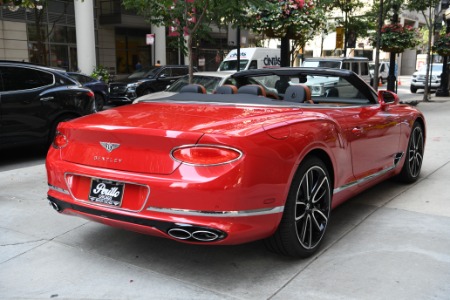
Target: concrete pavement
[(390, 242)]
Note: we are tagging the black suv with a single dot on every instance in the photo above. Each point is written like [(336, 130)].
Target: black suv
[(34, 99), (145, 81)]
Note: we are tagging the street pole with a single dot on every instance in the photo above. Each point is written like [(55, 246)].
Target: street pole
[(238, 46), (391, 76), (443, 89)]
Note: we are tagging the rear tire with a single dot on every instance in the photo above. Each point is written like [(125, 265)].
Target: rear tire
[(306, 213), (99, 102), (413, 156)]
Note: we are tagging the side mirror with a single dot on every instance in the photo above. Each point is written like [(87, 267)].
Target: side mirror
[(386, 98)]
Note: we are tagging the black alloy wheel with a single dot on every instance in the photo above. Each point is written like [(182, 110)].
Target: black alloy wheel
[(413, 156), (307, 211)]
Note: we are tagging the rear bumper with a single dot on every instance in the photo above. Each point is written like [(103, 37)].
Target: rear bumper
[(186, 229), (173, 206), (122, 99)]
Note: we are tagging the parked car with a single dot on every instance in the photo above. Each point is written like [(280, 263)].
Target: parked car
[(383, 71), (328, 85), (34, 99), (210, 80), (145, 81), (99, 87), (359, 65), (418, 78), (226, 169)]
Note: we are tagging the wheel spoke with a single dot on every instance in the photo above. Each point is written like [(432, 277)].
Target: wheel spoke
[(306, 227), (320, 226), (316, 199)]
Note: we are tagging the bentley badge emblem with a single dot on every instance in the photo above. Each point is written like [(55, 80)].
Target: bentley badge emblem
[(109, 146)]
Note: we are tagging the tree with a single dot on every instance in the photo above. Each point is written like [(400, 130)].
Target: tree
[(286, 19), (191, 18), (38, 8), (353, 24), (429, 12), (41, 32)]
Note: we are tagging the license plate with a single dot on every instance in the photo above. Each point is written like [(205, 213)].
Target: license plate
[(106, 192)]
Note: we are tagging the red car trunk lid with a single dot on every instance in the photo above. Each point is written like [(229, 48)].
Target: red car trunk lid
[(139, 138)]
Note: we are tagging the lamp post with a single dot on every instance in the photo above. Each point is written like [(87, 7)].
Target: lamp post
[(391, 76), (443, 89)]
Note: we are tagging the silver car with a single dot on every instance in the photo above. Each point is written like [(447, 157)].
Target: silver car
[(418, 78), (210, 80)]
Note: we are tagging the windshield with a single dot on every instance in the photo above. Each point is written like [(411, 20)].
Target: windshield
[(209, 82), (322, 64), (436, 68), (231, 65), (145, 72)]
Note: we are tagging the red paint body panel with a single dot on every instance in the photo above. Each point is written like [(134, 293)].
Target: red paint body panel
[(251, 192)]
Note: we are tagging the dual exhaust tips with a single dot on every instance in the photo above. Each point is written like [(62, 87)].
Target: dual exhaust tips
[(196, 234), (185, 232)]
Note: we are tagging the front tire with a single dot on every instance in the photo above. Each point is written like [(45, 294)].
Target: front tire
[(413, 89), (414, 155), (307, 211)]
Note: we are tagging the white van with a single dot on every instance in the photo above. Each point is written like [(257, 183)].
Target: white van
[(251, 58)]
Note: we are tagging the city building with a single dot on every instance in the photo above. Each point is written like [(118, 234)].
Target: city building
[(118, 39)]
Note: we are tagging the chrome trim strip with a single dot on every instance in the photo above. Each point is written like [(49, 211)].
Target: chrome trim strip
[(58, 189), (219, 214), (363, 180)]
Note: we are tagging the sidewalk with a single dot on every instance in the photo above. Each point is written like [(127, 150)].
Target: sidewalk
[(404, 83)]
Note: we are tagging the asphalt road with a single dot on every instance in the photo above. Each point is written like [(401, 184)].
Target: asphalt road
[(390, 242)]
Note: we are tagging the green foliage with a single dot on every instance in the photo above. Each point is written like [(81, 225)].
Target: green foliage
[(442, 45), (421, 5), (396, 38), (101, 73), (296, 19), (190, 18)]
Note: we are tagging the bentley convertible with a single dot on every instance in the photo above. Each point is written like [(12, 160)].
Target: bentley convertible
[(266, 159)]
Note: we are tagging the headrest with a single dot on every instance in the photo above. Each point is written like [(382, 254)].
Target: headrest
[(252, 89), (226, 89), (193, 88), (297, 93)]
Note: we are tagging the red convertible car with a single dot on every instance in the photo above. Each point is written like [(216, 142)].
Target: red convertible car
[(269, 161)]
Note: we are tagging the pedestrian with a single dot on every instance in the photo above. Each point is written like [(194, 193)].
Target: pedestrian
[(138, 66), (158, 63)]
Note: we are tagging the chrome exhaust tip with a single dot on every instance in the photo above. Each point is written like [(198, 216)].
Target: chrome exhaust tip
[(205, 236), (54, 206), (179, 233)]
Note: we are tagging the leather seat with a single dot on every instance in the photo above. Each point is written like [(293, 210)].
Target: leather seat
[(193, 88), (252, 89), (298, 93)]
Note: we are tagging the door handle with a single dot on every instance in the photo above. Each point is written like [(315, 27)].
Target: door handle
[(357, 130), (47, 98)]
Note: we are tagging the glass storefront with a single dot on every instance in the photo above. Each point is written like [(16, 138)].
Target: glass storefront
[(131, 48)]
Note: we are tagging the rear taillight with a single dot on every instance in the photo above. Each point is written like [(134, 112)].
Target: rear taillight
[(205, 155), (90, 94), (60, 140)]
